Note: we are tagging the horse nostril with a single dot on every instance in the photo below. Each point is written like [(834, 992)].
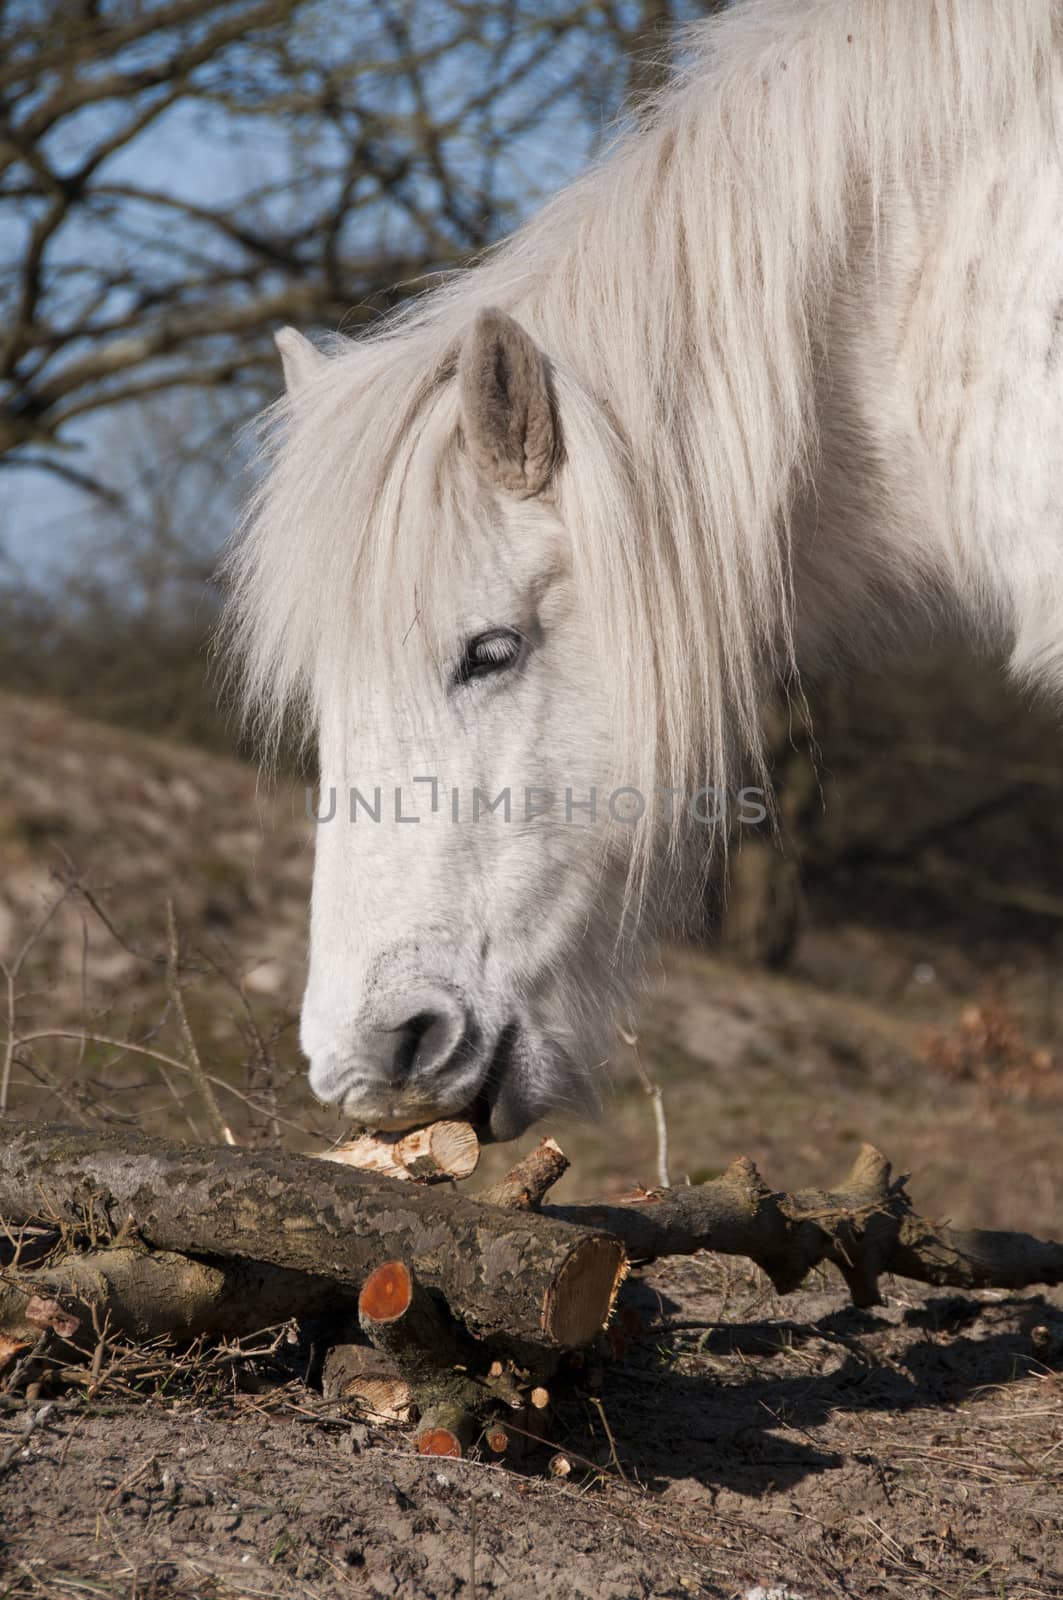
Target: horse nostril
[(410, 1036), (403, 1060)]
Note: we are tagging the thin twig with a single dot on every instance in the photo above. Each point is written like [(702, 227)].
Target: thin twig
[(614, 1457), (218, 1125), (154, 1055), (24, 1366), (654, 1092), (11, 971), (74, 885), (260, 1056)]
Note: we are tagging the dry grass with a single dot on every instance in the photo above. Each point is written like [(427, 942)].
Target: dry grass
[(161, 1063)]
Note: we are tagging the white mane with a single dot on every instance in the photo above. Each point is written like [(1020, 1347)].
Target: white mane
[(682, 290)]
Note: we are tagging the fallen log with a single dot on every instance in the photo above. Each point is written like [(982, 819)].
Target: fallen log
[(223, 1241), (865, 1227), (406, 1325), (510, 1274), (447, 1429), (144, 1294), (533, 1278)]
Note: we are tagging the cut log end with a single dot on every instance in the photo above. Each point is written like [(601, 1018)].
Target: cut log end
[(578, 1302), (384, 1401), (446, 1429), (439, 1442), (386, 1293), (454, 1147), (440, 1150), (362, 1376)]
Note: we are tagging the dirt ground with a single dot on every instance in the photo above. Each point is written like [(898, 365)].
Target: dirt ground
[(741, 1445)]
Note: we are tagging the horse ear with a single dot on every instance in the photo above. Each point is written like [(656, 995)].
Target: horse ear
[(507, 408), (298, 358)]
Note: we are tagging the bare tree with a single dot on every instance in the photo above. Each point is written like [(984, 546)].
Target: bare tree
[(177, 177)]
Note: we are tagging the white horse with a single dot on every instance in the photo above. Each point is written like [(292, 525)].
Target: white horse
[(784, 368)]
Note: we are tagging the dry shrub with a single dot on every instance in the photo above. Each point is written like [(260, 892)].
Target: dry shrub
[(987, 1047)]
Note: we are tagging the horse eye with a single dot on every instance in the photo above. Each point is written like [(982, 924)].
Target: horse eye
[(488, 653)]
